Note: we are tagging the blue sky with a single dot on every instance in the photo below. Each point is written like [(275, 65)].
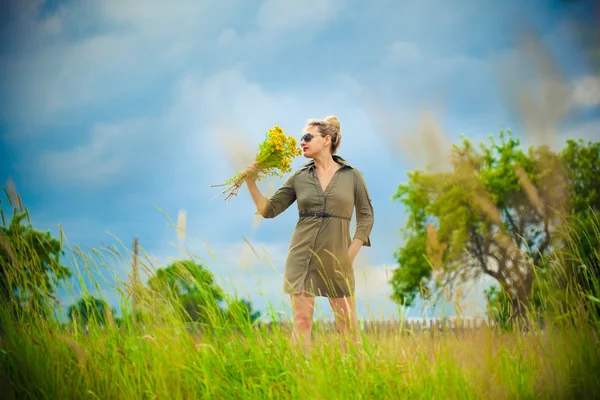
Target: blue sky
[(113, 109)]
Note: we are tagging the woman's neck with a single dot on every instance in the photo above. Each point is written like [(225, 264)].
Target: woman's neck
[(324, 162)]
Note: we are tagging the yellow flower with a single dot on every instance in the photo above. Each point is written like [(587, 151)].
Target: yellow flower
[(274, 158)]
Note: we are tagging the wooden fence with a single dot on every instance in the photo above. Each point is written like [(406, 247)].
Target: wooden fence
[(394, 327)]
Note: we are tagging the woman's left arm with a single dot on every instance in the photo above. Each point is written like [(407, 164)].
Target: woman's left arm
[(365, 216), (354, 248)]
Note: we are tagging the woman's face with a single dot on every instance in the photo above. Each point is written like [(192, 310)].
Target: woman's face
[(315, 145)]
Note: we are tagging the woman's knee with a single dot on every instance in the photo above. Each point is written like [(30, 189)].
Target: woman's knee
[(303, 311), (303, 320)]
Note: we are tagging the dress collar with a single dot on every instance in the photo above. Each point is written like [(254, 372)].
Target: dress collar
[(338, 159)]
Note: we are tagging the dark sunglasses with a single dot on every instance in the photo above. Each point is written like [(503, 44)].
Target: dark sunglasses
[(307, 137)]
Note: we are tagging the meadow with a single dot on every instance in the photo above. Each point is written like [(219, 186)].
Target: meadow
[(153, 353)]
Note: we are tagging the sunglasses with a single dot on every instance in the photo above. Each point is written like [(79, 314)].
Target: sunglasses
[(307, 137)]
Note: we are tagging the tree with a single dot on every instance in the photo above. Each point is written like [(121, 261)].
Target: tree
[(495, 213), (240, 312), (193, 287), (29, 264), (498, 306), (582, 166), (90, 308)]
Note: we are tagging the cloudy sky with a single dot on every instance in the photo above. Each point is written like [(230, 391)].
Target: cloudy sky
[(117, 114)]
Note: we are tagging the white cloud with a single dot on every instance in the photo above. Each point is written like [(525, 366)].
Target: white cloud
[(155, 17), (402, 53), (179, 52), (288, 15), (228, 97), (109, 156), (539, 95), (422, 143), (136, 45), (372, 283), (224, 110), (227, 36), (87, 54), (225, 116), (586, 92), (69, 69), (65, 75)]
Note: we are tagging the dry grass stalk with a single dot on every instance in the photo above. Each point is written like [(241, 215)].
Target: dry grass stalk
[(181, 226), (8, 249), (488, 208), (434, 249), (13, 197), (81, 354), (530, 190)]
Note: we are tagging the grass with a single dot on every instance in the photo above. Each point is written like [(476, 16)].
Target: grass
[(165, 361), (153, 354)]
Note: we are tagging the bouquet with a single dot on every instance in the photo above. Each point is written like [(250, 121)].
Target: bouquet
[(274, 157)]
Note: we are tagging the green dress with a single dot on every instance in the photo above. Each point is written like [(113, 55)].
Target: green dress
[(318, 252)]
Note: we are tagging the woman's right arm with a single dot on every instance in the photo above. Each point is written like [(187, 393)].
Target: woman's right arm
[(278, 203), (260, 201)]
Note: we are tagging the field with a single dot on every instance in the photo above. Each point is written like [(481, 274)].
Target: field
[(151, 351), (164, 361), (155, 354)]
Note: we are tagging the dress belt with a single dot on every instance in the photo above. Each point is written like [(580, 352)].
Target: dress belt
[(322, 215)]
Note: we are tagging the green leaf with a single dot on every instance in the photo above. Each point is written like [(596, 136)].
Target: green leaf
[(594, 299)]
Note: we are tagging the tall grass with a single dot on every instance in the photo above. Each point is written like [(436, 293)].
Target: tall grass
[(152, 353)]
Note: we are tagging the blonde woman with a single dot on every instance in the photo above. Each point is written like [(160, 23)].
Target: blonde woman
[(321, 252)]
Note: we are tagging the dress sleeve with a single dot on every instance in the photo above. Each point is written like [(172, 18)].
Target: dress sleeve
[(281, 200), (365, 216)]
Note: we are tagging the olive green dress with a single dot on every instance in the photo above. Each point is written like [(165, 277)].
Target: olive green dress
[(318, 253)]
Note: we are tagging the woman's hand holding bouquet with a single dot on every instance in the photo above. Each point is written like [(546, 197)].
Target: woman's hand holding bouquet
[(274, 157)]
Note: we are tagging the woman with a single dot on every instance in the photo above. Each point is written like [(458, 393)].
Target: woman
[(321, 252)]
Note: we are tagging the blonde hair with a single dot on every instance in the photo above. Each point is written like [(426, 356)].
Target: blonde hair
[(329, 126)]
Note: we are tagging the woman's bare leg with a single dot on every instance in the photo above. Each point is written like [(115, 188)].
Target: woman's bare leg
[(302, 313), (344, 309)]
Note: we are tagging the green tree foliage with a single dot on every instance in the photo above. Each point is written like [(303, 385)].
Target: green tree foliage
[(88, 309), (495, 213), (582, 166), (240, 312), (578, 247), (192, 286), (499, 308), (29, 264), (193, 290)]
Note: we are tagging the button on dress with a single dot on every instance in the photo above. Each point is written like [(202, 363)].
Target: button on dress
[(317, 258)]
